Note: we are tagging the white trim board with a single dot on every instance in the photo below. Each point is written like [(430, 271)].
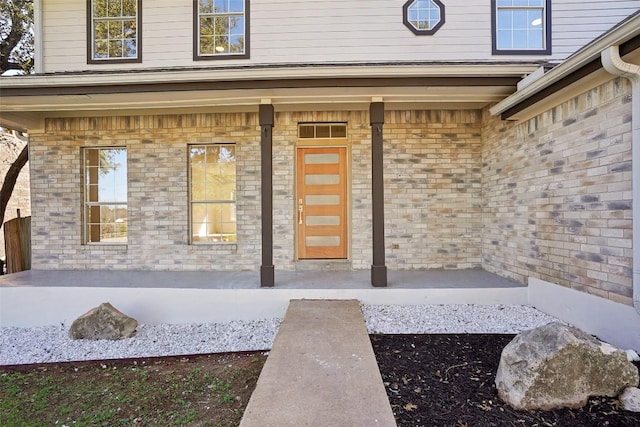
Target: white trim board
[(615, 323)]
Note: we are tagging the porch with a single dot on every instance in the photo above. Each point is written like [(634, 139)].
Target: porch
[(50, 297)]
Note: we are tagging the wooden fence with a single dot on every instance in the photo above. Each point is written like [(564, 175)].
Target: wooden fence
[(17, 244)]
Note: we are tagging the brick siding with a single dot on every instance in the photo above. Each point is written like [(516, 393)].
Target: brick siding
[(158, 223), (548, 198), (557, 194), (433, 212)]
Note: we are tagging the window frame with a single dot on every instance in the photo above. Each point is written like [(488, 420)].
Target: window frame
[(546, 37), (87, 204), (91, 59), (226, 56), (330, 126), (419, 32), (191, 201)]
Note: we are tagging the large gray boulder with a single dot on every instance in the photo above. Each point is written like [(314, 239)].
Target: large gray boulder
[(557, 366), (103, 323)]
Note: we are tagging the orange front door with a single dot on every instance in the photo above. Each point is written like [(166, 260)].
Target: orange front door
[(321, 202)]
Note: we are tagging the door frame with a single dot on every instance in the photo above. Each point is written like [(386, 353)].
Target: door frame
[(323, 143)]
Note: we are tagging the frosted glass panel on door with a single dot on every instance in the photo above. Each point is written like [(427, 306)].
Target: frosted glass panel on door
[(322, 220), (322, 200), (322, 159), (328, 179)]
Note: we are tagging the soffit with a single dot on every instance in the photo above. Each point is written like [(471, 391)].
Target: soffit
[(477, 95), (272, 72)]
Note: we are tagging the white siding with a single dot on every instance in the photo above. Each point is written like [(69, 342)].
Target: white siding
[(64, 35), (577, 22), (329, 31)]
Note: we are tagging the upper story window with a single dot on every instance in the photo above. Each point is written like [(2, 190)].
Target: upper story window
[(212, 195), (105, 195), (521, 27), (113, 28), (423, 17), (221, 29)]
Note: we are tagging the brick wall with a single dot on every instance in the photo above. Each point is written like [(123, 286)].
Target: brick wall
[(157, 192), (433, 214), (557, 194), (433, 173), (433, 194), (548, 198)]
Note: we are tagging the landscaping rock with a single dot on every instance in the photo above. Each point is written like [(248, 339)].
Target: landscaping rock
[(103, 323), (557, 366), (630, 399)]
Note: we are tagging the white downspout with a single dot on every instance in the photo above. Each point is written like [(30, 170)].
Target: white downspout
[(615, 65)]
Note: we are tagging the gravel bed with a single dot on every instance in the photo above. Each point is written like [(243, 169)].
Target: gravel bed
[(453, 319), (52, 343)]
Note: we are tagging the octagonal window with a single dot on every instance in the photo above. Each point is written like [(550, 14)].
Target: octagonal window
[(423, 17)]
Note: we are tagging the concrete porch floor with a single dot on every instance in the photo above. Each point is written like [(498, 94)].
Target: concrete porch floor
[(52, 297), (358, 279)]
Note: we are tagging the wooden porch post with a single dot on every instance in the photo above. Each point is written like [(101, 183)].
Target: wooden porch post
[(267, 270), (378, 269)]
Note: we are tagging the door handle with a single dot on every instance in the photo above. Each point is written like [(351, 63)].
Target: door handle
[(300, 210)]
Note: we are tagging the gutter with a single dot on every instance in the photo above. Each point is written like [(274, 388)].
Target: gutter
[(612, 62), (262, 72)]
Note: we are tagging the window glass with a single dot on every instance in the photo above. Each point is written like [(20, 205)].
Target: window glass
[(213, 193), (114, 30), (520, 25), (322, 130), (423, 16), (306, 131), (221, 28), (338, 131), (105, 195)]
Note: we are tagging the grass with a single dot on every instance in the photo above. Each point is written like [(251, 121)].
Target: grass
[(204, 390)]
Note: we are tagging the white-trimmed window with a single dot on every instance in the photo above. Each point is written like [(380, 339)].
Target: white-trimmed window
[(105, 195), (113, 31), (521, 27), (423, 17), (221, 29), (212, 195)]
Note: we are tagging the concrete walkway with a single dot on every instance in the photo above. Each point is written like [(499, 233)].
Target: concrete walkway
[(321, 371)]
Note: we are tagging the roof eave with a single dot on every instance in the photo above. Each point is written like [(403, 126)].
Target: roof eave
[(583, 62), (284, 72)]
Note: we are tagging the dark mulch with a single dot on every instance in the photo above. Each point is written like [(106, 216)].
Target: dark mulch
[(448, 380)]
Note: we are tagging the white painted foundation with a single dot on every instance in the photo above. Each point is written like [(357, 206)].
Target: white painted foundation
[(615, 323), (27, 306), (41, 306)]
